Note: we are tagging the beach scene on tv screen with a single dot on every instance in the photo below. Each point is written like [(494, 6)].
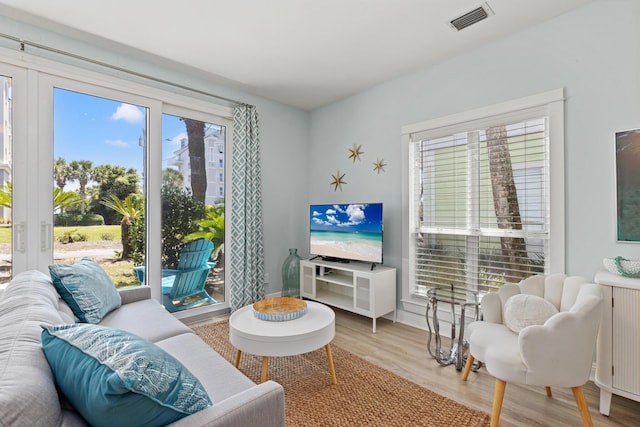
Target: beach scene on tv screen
[(348, 231)]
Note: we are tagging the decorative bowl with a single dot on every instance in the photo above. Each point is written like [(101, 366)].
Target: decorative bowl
[(622, 267), (279, 309)]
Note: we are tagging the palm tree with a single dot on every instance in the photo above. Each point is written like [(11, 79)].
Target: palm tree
[(197, 162), (82, 171), (211, 228), (61, 199), (64, 199), (172, 178), (131, 208), (61, 172), (505, 201), (6, 195)]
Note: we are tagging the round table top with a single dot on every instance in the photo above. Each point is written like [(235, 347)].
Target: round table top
[(309, 332)]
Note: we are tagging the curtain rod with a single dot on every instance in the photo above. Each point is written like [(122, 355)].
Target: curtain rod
[(23, 43)]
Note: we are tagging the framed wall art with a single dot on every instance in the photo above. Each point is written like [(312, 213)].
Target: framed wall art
[(628, 185)]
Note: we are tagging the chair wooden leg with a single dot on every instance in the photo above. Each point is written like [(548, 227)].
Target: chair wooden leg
[(498, 396), (578, 394), (548, 390), (467, 367)]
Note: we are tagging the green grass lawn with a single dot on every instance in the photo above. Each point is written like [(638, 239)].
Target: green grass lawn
[(93, 232), (121, 273)]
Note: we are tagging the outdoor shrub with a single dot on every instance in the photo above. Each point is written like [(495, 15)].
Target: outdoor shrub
[(136, 239), (71, 220), (180, 212), (91, 219), (73, 236), (106, 236)]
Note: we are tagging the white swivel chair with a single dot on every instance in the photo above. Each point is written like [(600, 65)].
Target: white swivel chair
[(540, 332)]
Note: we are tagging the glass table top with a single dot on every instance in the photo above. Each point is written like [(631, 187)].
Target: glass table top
[(454, 295)]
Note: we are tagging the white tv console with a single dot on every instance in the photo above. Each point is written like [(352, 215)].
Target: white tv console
[(352, 286)]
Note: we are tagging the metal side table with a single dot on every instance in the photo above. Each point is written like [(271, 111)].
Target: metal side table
[(454, 296)]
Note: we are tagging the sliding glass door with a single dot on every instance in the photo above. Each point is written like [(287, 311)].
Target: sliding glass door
[(193, 206), (100, 167), (98, 191)]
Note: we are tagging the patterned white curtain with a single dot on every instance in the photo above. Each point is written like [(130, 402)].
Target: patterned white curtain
[(247, 250)]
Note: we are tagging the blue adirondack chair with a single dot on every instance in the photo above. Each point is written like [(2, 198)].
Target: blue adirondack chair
[(183, 287)]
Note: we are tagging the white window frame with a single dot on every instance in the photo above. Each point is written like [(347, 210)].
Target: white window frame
[(549, 104)]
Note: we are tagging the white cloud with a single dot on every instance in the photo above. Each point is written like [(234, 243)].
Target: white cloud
[(332, 219), (356, 214), (117, 143), (129, 113)]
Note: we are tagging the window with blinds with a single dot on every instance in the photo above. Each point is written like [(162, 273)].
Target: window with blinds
[(479, 201)]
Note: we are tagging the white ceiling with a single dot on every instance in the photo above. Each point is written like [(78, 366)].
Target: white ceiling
[(304, 53)]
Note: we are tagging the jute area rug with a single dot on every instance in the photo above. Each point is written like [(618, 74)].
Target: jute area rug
[(366, 395)]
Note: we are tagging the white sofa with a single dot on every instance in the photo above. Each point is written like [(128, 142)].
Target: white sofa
[(28, 393)]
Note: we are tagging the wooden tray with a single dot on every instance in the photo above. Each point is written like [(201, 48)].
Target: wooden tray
[(279, 309)]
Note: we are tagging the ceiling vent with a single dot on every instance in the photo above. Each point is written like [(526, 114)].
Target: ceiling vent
[(472, 17)]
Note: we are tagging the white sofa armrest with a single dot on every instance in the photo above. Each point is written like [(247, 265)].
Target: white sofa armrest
[(262, 405), (138, 293)]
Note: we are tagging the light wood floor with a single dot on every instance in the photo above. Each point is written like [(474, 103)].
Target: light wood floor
[(402, 349)]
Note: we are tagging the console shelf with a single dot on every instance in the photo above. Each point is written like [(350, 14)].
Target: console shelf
[(354, 287)]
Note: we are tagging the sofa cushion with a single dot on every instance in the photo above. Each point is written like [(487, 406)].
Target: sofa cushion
[(146, 319), (86, 288), (112, 377), (524, 310), (209, 367)]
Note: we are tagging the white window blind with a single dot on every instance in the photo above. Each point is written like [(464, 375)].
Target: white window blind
[(480, 203)]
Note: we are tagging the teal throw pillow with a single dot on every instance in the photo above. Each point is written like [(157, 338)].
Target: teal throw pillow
[(86, 288), (115, 378)]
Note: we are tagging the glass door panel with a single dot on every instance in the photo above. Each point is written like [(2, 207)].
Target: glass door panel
[(193, 203), (6, 140), (98, 201)]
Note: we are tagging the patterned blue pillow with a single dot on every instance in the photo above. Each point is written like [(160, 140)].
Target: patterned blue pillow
[(86, 288), (114, 378)]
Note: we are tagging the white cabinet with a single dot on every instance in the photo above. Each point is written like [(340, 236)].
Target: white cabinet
[(353, 286), (618, 359)]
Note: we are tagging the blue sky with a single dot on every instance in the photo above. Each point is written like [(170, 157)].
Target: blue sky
[(348, 218), (105, 131)]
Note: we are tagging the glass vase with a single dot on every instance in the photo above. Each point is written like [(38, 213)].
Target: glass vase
[(291, 275)]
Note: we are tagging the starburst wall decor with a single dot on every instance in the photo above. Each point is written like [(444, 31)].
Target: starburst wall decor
[(337, 181), (379, 165), (355, 151)]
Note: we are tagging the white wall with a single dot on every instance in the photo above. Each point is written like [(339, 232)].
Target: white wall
[(593, 52)]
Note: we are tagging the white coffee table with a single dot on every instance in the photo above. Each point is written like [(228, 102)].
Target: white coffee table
[(315, 329)]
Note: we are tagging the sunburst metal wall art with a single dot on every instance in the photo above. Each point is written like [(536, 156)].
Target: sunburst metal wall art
[(379, 165), (337, 181), (355, 151)]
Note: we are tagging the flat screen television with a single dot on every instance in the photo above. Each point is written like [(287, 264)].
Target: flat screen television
[(343, 232)]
